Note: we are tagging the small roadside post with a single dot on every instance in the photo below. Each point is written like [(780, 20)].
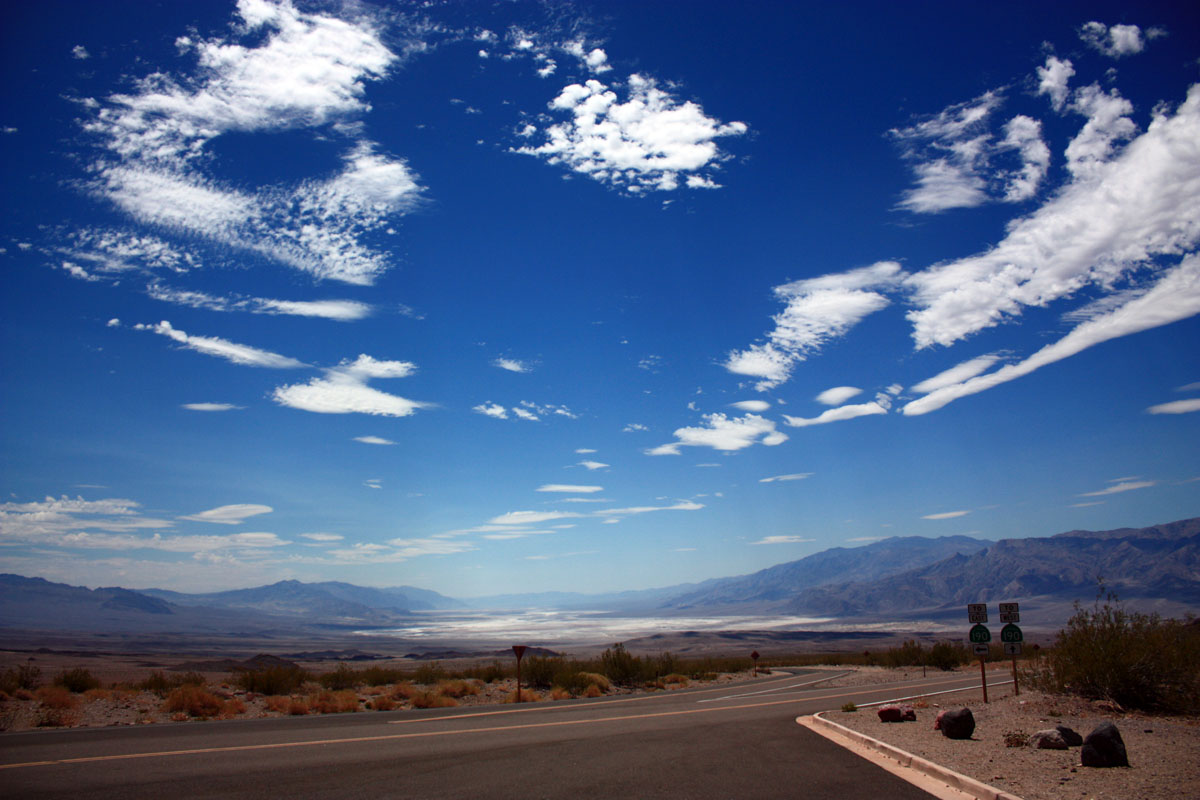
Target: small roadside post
[(1011, 636), (754, 656), (518, 651), (979, 636)]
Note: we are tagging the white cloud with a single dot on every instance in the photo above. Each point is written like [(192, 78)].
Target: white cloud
[(783, 540), (956, 374), (525, 414), (839, 414), (818, 309), (569, 488), (211, 406), (634, 427), (322, 537), (491, 410), (344, 390), (1176, 407), (795, 476), (338, 310), (643, 144), (1053, 79), (1114, 42), (947, 515), (1142, 204), (756, 406), (837, 395), (584, 450), (724, 433), (1107, 124), (222, 348), (373, 440), (593, 465), (531, 517), (80, 52), (230, 515), (511, 364), (686, 505), (1125, 486), (1176, 296)]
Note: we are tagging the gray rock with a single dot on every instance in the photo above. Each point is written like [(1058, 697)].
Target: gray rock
[(958, 724), (1069, 736), (1104, 747), (1050, 739)]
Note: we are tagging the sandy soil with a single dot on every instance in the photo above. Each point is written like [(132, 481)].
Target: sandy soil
[(1164, 752)]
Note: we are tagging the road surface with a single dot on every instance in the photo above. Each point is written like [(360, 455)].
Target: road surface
[(735, 741)]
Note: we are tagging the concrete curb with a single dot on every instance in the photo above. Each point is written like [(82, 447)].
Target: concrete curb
[(954, 780)]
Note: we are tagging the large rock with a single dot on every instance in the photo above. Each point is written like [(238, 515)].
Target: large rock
[(1069, 736), (1104, 747), (1050, 739), (958, 724), (894, 713)]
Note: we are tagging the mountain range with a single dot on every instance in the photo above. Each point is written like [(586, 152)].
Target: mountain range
[(898, 579)]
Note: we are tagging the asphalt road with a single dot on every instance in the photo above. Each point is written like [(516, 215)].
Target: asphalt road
[(738, 741)]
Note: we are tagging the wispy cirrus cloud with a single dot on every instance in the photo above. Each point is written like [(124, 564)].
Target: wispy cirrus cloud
[(337, 310), (1176, 407), (947, 515), (1120, 487), (795, 476), (211, 406), (784, 540), (223, 348), (234, 514), (567, 488)]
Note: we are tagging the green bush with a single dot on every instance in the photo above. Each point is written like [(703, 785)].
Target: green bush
[(77, 680), (341, 678), (22, 676), (1139, 661), (382, 676), (429, 673), (620, 666)]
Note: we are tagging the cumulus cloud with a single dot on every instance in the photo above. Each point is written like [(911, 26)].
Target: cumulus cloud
[(1053, 80), (511, 364), (344, 390), (491, 410), (817, 310), (643, 144), (721, 432), (1114, 42), (526, 410), (223, 348)]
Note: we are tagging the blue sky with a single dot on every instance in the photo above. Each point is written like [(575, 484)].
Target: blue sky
[(519, 297)]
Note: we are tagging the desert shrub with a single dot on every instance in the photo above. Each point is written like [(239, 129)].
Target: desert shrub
[(23, 694), (849, 708), (278, 703), (675, 679), (329, 702), (55, 718), (490, 673), (381, 676), (431, 699), (56, 697), (621, 667), (383, 703), (193, 701), (947, 656), (341, 678), (457, 688), (593, 691), (601, 682), (272, 680), (527, 696), (77, 680), (540, 672), (1136, 660), (429, 673), (98, 694), (22, 676), (161, 683), (297, 708), (231, 708), (559, 693), (404, 690)]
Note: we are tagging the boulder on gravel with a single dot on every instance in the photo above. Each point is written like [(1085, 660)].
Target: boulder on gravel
[(890, 714), (1050, 739), (1104, 747), (958, 724), (1072, 738)]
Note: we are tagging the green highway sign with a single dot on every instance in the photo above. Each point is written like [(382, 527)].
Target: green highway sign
[(979, 634), (1011, 633)]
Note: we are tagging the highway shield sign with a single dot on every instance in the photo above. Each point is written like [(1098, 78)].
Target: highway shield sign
[(1011, 633), (979, 635)]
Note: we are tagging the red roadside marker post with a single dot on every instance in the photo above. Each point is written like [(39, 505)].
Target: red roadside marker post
[(754, 656), (979, 637), (518, 651)]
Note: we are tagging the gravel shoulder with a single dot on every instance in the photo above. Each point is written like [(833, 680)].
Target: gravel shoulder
[(1164, 751)]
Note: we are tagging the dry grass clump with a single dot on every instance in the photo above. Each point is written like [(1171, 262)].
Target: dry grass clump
[(527, 696), (383, 703), (195, 701), (458, 688), (601, 682), (593, 691), (278, 703), (328, 702), (98, 694), (559, 693), (58, 698), (675, 679), (432, 699), (297, 708), (404, 691)]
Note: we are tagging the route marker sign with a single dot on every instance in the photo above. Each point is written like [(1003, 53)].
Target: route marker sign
[(979, 634), (980, 649), (977, 612), (1012, 649), (1011, 633), (1010, 612)]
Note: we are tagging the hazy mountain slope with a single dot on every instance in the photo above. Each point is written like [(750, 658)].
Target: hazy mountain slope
[(784, 582), (1159, 564), (313, 602)]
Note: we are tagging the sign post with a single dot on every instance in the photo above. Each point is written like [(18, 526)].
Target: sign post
[(1012, 637), (754, 655), (979, 636), (518, 651)]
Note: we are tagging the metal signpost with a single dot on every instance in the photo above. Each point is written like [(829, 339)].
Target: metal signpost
[(979, 637), (518, 651), (1012, 637), (754, 656)]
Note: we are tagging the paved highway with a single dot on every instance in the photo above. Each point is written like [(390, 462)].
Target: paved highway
[(734, 741)]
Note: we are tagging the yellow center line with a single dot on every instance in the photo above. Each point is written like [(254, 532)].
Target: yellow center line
[(426, 734)]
